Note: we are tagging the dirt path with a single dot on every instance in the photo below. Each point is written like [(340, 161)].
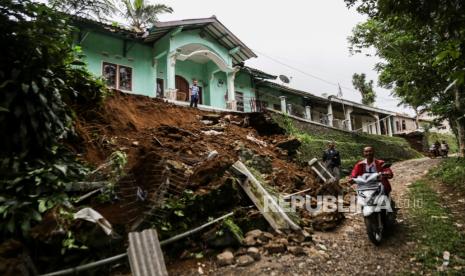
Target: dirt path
[(347, 250)]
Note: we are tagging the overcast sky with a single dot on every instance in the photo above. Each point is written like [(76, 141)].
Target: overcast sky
[(308, 35)]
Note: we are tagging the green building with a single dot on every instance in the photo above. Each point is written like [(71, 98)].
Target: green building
[(165, 60)]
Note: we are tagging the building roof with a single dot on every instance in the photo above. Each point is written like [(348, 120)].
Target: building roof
[(212, 26), (258, 73), (115, 29), (292, 90), (333, 98)]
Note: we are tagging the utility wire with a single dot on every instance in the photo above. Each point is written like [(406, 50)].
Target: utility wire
[(314, 76)]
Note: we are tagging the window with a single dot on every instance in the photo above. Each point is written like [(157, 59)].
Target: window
[(109, 74), (240, 101), (404, 125), (398, 126), (117, 76)]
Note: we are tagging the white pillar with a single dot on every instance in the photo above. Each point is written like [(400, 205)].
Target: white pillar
[(283, 104), (349, 111), (308, 112), (330, 114), (231, 104), (389, 125), (289, 108), (378, 124), (171, 76)]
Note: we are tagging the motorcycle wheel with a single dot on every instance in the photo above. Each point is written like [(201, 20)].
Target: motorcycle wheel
[(375, 233)]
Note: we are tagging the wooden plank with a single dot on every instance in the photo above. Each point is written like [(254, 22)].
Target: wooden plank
[(145, 255), (275, 216)]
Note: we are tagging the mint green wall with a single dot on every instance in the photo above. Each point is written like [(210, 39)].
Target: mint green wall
[(193, 37), (243, 83), (218, 91), (162, 48), (139, 58)]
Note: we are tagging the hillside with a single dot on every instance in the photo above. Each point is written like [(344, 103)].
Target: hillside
[(315, 139)]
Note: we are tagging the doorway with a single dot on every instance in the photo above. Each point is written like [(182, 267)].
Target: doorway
[(182, 87), (183, 93)]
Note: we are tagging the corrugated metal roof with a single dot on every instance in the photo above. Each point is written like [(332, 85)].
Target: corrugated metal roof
[(212, 26), (258, 73), (145, 255)]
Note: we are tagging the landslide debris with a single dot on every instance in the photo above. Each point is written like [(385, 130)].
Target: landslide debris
[(177, 177)]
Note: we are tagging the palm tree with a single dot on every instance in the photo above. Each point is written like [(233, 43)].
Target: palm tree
[(142, 15)]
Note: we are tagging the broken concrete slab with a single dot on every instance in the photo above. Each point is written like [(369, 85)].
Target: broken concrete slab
[(275, 215)]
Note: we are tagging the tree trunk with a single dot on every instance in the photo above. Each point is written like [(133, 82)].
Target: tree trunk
[(460, 108)]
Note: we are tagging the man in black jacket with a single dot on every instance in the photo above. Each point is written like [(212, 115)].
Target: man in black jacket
[(332, 160)]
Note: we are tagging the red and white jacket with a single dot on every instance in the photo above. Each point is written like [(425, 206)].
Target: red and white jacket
[(361, 168)]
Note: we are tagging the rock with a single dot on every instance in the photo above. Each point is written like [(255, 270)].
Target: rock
[(244, 260), (254, 253), (290, 145), (206, 122), (283, 241), (212, 154), (265, 237), (325, 221), (214, 118), (249, 241), (135, 143), (296, 250), (225, 258), (254, 233), (241, 251), (274, 248)]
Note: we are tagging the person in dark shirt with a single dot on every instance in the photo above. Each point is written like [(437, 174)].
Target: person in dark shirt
[(332, 160)]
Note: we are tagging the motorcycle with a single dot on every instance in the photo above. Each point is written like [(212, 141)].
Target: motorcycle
[(377, 208)]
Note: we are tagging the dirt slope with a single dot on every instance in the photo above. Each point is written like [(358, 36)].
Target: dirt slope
[(156, 134)]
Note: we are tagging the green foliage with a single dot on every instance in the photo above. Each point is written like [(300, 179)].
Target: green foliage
[(234, 229), (451, 172), (350, 145), (421, 45), (142, 15), (434, 229), (365, 87), (94, 9), (39, 73)]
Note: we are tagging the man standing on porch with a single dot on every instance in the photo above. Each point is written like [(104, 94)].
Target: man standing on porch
[(194, 94)]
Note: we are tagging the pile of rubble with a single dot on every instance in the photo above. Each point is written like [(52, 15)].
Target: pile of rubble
[(179, 174)]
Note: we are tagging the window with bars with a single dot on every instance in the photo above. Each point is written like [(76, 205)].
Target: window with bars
[(117, 76)]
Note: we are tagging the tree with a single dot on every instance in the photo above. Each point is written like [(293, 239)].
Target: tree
[(142, 15), (39, 73), (365, 87), (421, 45), (94, 9)]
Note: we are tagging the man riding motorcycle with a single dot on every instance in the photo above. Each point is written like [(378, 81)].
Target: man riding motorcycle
[(372, 165)]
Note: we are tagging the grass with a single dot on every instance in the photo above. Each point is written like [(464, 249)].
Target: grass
[(350, 145), (433, 227), (451, 172)]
